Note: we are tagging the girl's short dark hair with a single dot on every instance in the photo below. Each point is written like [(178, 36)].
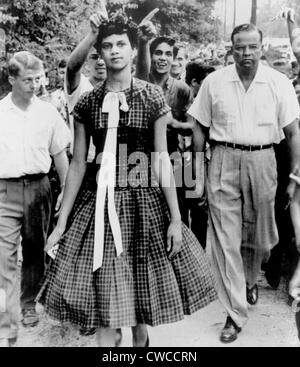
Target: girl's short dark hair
[(118, 23)]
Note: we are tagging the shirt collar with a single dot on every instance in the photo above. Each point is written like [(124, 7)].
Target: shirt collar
[(168, 83), (8, 104), (260, 76)]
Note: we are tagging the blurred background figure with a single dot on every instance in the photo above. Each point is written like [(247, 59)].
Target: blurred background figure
[(228, 59), (195, 74), (58, 96), (197, 206), (264, 60), (179, 63), (295, 69), (283, 66)]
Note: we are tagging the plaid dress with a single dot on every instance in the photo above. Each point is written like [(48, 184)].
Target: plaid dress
[(141, 285)]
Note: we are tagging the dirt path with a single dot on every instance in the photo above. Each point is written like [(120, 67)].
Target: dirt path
[(271, 324)]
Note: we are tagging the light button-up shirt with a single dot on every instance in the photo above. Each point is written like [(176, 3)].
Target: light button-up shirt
[(253, 117), (29, 138)]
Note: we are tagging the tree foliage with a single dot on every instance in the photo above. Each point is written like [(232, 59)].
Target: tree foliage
[(52, 28)]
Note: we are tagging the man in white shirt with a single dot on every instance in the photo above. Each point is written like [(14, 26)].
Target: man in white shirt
[(31, 132), (243, 108)]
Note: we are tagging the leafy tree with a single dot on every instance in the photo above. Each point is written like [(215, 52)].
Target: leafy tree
[(183, 19), (52, 28)]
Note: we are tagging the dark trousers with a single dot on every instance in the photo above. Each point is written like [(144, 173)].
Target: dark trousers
[(25, 206), (193, 210), (298, 321), (286, 246)]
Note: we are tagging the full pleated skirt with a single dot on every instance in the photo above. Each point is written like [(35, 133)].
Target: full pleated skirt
[(141, 286)]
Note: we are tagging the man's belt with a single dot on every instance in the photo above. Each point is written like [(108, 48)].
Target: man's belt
[(249, 148), (34, 177)]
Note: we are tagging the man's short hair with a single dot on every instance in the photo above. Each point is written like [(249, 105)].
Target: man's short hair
[(23, 60), (163, 39), (119, 23), (248, 27), (198, 71), (294, 64)]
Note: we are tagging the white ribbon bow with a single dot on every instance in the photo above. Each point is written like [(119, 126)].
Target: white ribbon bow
[(107, 179)]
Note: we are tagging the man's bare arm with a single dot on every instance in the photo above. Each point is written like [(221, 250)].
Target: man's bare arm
[(200, 134), (293, 29), (146, 32), (292, 134), (183, 128), (79, 55)]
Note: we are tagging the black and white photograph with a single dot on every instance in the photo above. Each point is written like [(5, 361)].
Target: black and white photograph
[(149, 176)]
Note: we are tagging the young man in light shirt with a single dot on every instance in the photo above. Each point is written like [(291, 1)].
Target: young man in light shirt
[(31, 132)]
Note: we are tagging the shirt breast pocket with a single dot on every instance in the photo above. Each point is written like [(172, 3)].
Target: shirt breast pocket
[(266, 116), (265, 107), (224, 112)]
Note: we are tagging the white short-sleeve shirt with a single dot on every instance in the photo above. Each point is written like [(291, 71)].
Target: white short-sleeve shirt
[(29, 138), (84, 86), (253, 117)]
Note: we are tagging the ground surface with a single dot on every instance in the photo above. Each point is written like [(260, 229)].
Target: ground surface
[(271, 324)]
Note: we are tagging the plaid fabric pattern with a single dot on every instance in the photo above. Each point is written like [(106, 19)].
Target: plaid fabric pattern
[(141, 285)]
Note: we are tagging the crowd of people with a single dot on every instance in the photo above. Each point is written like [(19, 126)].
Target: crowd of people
[(149, 183)]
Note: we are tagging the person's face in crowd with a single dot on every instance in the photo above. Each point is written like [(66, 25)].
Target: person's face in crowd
[(247, 50), (283, 68), (162, 58), (61, 73), (297, 90), (195, 86), (96, 66), (295, 70), (179, 63), (117, 52), (229, 60), (27, 83), (44, 82)]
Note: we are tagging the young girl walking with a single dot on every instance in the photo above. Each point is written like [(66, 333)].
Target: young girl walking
[(124, 258)]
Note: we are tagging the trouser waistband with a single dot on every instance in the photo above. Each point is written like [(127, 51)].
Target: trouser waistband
[(34, 177), (249, 148)]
